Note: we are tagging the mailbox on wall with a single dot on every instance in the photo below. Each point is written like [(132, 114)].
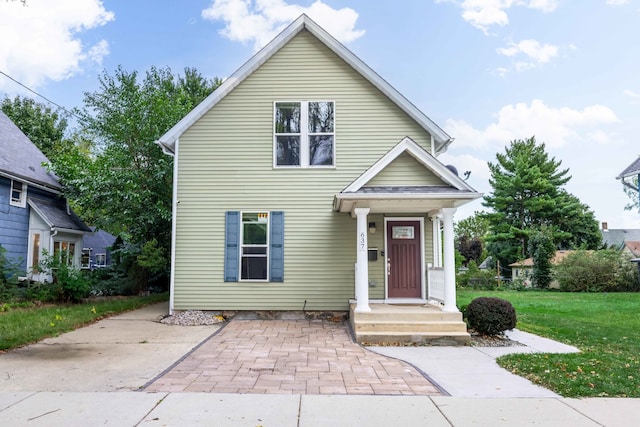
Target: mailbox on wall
[(373, 254)]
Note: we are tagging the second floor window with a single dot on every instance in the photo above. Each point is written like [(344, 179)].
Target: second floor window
[(304, 134), (18, 194)]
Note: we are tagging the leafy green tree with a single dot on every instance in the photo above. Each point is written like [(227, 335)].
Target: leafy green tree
[(125, 186), (528, 193), (474, 226), (542, 250), (43, 126)]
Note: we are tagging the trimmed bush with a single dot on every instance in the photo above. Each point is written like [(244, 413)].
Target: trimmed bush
[(490, 315)]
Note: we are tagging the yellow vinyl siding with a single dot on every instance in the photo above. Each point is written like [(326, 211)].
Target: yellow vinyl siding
[(225, 162), (405, 171)]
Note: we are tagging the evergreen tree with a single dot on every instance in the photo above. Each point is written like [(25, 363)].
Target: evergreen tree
[(528, 194)]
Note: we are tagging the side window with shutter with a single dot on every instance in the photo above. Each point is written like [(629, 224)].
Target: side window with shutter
[(254, 246)]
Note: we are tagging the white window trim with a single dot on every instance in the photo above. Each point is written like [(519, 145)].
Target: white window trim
[(99, 265), (22, 203), (304, 136), (242, 245)]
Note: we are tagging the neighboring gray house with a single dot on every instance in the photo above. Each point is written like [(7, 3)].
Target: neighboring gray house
[(629, 176), (96, 249), (34, 216), (617, 238)]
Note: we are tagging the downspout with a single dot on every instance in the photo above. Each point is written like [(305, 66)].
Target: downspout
[(174, 213)]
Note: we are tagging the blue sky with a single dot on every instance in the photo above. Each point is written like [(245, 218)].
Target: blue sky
[(487, 71)]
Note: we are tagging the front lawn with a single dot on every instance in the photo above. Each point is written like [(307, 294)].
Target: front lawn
[(604, 326), (24, 325)]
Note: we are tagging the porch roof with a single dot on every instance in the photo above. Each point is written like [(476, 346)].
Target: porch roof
[(403, 199)]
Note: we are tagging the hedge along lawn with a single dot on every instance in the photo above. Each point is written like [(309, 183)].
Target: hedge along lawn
[(21, 326), (604, 326)]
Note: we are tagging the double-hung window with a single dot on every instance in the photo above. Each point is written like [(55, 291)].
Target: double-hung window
[(255, 246), (304, 134), (18, 194)]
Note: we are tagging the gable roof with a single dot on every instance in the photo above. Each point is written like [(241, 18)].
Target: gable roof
[(20, 159), (409, 146), (57, 215), (99, 240), (632, 170), (617, 237), (633, 247), (455, 190), (559, 256), (168, 141)]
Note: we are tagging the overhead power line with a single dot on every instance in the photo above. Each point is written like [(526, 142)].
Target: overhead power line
[(41, 96)]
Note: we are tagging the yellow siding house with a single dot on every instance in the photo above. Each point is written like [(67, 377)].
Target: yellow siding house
[(307, 182)]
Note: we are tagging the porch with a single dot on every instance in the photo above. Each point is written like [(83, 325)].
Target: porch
[(407, 323)]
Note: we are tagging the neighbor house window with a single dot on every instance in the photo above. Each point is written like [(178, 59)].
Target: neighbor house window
[(101, 260), (64, 251), (85, 258), (18, 194), (254, 259), (304, 134), (35, 254)]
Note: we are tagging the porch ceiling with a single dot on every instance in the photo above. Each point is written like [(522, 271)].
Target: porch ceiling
[(403, 199)]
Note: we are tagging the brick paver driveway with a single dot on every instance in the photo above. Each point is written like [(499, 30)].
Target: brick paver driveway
[(290, 356)]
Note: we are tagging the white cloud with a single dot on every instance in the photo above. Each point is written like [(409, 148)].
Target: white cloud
[(45, 43), (259, 21), (483, 14), (617, 2), (553, 126), (632, 94), (531, 48), (535, 52)]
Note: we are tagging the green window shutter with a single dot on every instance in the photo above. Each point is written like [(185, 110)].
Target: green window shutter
[(276, 248), (231, 246)]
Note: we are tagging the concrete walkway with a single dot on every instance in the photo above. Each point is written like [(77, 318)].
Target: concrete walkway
[(473, 372)]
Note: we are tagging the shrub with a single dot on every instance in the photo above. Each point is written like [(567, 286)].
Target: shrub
[(490, 315), (599, 271), (71, 284)]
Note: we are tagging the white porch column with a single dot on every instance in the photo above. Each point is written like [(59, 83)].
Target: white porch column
[(437, 241), (362, 269), (449, 261)]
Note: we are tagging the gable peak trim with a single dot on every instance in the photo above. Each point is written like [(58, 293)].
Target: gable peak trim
[(409, 146)]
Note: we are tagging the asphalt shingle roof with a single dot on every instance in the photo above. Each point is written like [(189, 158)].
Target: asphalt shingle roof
[(632, 169), (56, 215), (20, 158)]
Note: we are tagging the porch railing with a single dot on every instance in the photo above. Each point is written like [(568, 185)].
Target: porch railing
[(435, 278)]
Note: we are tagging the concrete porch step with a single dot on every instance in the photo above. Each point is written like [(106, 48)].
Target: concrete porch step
[(424, 338), (409, 314), (396, 326)]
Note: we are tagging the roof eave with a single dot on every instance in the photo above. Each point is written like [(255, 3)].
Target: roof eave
[(167, 141)]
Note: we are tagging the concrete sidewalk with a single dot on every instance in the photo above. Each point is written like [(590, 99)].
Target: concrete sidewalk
[(251, 410), (473, 372)]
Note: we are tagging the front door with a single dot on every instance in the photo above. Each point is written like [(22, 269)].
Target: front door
[(404, 266)]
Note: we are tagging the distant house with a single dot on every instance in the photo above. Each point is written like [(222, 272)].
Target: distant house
[(34, 216), (617, 238), (96, 249), (523, 270)]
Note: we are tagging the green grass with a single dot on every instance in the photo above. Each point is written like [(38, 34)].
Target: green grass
[(21, 326), (604, 326)]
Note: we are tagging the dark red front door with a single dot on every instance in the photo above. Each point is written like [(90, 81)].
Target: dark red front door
[(403, 259)]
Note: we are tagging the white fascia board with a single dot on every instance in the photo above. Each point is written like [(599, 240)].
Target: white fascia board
[(409, 146), (407, 196), (167, 141), (39, 212), (442, 138), (32, 183)]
